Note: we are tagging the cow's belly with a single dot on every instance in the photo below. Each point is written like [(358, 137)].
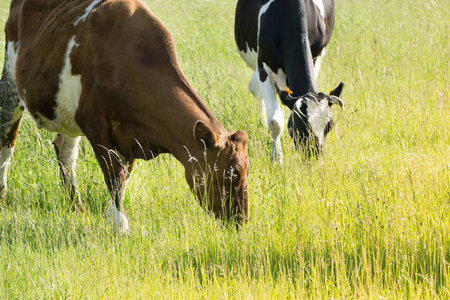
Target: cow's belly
[(66, 99)]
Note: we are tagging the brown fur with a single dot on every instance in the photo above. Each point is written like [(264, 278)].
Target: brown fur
[(134, 98)]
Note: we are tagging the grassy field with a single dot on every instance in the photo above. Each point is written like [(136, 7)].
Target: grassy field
[(371, 220)]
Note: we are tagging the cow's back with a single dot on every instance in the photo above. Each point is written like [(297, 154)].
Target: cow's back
[(84, 55), (41, 30), (248, 26)]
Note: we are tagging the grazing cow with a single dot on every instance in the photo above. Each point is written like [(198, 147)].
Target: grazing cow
[(107, 69), (284, 42)]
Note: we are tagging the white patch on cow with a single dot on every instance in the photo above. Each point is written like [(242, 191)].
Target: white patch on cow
[(5, 163), (69, 150), (280, 78), (318, 62), (18, 112), (319, 114), (319, 4), (67, 100), (12, 50), (250, 57), (68, 154), (118, 218), (253, 86), (87, 11)]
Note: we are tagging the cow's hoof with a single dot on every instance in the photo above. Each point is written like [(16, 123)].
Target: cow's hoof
[(118, 218)]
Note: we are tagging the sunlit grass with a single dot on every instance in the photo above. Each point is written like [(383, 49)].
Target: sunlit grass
[(369, 220)]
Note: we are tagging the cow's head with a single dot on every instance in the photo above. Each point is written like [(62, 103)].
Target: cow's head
[(311, 118), (218, 174)]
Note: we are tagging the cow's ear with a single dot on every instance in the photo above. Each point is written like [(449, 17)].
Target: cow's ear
[(205, 135), (335, 100), (338, 90), (285, 97)]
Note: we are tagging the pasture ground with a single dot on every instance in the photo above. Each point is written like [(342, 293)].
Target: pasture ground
[(368, 221)]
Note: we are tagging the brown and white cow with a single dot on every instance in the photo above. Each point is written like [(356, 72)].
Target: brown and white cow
[(107, 69)]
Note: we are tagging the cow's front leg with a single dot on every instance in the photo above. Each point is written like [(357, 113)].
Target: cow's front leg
[(11, 111), (116, 178), (119, 182), (67, 152), (116, 172), (275, 117)]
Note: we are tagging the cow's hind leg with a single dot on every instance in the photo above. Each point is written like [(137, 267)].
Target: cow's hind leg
[(11, 111), (67, 152), (254, 89)]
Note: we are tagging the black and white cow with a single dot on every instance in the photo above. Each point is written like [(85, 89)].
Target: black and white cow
[(284, 42)]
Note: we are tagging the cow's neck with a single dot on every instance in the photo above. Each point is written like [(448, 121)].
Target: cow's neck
[(298, 59), (185, 108)]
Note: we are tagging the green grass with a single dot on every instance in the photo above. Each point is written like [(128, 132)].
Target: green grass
[(368, 221)]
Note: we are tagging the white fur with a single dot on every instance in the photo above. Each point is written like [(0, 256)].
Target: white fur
[(318, 62), (254, 88), (12, 50), (5, 163), (113, 215), (319, 4), (18, 112), (67, 100), (69, 150), (319, 114), (250, 57), (68, 154), (275, 117), (87, 11), (279, 77)]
